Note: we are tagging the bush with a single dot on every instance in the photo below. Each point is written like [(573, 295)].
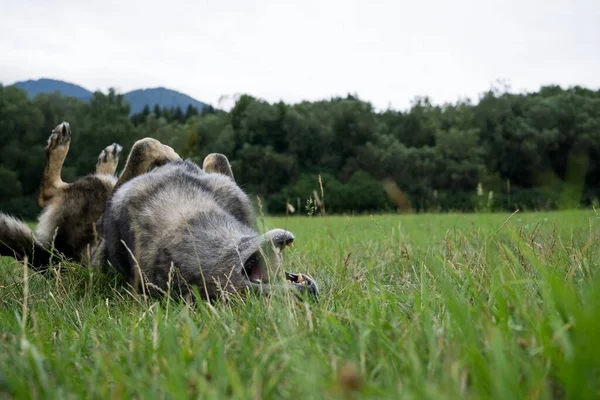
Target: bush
[(362, 193)]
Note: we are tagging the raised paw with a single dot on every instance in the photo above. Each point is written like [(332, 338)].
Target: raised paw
[(59, 138), (56, 152), (109, 159)]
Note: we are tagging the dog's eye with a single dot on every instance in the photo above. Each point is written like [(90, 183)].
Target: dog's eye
[(252, 261)]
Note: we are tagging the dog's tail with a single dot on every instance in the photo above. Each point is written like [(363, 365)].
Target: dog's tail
[(17, 240)]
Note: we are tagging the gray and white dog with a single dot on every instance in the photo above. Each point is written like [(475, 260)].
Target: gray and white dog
[(166, 224)]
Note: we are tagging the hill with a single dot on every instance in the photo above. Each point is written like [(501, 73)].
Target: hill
[(160, 96), (35, 87), (163, 97)]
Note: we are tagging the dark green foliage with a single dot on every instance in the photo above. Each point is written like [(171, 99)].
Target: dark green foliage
[(528, 151), (361, 193)]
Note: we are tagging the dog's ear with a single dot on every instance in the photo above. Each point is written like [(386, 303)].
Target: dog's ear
[(216, 162)]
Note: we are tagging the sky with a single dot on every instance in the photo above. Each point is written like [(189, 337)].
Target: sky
[(386, 52)]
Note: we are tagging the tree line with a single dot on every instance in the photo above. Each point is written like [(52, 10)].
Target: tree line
[(530, 151)]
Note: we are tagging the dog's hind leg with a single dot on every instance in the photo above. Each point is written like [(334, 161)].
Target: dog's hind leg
[(56, 152), (216, 162), (145, 154), (109, 159)]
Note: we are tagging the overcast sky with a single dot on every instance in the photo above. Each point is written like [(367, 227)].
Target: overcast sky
[(387, 52)]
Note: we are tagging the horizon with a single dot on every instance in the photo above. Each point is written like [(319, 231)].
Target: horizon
[(387, 53), (231, 101)]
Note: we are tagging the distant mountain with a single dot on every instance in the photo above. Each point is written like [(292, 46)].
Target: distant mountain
[(33, 88), (161, 96), (137, 98)]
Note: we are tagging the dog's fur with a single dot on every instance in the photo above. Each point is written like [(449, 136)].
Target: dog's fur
[(166, 224)]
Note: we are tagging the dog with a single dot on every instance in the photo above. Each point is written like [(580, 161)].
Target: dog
[(166, 224)]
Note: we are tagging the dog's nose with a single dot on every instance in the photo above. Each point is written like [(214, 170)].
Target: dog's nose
[(280, 238)]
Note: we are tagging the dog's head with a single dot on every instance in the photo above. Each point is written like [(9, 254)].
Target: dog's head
[(262, 258), (235, 258)]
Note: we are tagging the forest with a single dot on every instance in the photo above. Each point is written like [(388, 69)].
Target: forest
[(505, 151)]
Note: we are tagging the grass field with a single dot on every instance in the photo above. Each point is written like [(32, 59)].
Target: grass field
[(415, 306)]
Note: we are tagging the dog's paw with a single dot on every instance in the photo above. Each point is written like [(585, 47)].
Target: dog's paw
[(60, 137), (108, 159), (110, 153)]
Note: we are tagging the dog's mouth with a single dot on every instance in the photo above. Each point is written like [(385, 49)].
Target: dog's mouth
[(256, 272), (253, 269)]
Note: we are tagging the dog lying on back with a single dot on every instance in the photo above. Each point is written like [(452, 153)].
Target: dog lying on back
[(166, 224)]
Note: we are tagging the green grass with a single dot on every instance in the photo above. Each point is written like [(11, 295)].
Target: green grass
[(428, 306)]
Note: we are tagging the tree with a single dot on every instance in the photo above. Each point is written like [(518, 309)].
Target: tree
[(156, 111), (533, 150)]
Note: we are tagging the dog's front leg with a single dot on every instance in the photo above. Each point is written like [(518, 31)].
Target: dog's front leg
[(56, 152)]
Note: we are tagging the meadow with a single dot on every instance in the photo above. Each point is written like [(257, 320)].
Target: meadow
[(432, 306)]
